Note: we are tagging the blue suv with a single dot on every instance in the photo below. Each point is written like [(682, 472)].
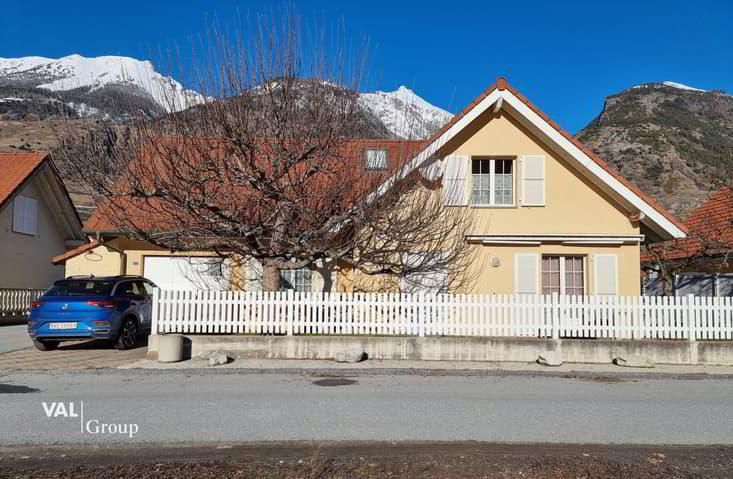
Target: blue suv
[(116, 308)]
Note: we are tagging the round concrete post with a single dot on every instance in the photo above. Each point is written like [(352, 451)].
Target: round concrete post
[(170, 348)]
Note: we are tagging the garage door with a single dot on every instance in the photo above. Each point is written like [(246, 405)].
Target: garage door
[(186, 273)]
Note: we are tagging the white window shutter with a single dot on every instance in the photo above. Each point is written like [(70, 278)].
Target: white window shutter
[(31, 215), (526, 273), (455, 187), (605, 268), (19, 214), (25, 215), (533, 180)]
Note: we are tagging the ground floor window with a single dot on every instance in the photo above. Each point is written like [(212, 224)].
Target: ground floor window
[(563, 275), (296, 279)]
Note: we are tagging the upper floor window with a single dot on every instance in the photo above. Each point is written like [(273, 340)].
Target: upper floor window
[(375, 159), (492, 182), (25, 213)]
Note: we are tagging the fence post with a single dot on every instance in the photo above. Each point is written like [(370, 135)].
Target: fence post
[(555, 316), (156, 305), (420, 313), (290, 308), (691, 317)]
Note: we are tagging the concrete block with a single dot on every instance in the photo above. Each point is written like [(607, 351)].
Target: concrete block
[(354, 355), (170, 348), (218, 358), (550, 358), (633, 361)]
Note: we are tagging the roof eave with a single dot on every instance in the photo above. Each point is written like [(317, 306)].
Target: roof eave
[(654, 216)]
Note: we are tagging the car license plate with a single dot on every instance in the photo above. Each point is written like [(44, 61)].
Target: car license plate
[(62, 326)]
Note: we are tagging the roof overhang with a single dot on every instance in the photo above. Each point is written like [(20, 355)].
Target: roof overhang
[(57, 198), (600, 176), (506, 100)]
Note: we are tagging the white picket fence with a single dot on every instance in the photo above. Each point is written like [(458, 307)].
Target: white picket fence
[(17, 302), (644, 317)]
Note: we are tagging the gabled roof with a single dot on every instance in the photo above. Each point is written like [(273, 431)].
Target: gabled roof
[(503, 95), (15, 169), (715, 213)]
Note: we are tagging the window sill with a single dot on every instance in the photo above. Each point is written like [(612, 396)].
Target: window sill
[(502, 207), (31, 235)]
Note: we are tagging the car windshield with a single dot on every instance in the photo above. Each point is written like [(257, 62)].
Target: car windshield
[(81, 287)]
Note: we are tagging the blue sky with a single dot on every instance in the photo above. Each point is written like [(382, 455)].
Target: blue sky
[(565, 56)]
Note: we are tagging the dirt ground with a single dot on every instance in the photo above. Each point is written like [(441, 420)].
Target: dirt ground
[(368, 460)]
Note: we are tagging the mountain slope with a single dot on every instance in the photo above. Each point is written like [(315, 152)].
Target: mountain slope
[(41, 96), (80, 86), (405, 114), (674, 141), (115, 87)]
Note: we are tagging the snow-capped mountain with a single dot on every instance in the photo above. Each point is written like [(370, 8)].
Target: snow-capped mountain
[(680, 86), (671, 84), (404, 113), (81, 74), (115, 86)]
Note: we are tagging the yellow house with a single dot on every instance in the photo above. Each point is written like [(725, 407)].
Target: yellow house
[(37, 220), (550, 215)]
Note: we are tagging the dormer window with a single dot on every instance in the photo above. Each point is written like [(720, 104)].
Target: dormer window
[(375, 159)]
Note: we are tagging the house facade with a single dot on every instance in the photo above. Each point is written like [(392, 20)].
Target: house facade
[(37, 221), (548, 215)]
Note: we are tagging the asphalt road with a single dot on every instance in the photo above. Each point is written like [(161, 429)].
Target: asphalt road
[(174, 406), (14, 337)]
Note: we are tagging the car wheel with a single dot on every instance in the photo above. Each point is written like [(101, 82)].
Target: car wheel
[(45, 345), (128, 334)]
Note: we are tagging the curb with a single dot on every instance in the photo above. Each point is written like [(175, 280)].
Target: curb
[(356, 372)]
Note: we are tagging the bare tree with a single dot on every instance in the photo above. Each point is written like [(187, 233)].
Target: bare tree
[(708, 245), (269, 166)]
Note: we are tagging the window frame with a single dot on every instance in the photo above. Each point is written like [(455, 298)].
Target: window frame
[(293, 280), (562, 272), (492, 181), (378, 168)]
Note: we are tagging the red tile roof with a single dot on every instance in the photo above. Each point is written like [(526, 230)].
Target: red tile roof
[(710, 224), (140, 215), (716, 212), (15, 169)]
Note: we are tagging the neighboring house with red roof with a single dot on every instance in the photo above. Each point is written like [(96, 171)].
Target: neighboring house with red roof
[(549, 215), (37, 220), (702, 263)]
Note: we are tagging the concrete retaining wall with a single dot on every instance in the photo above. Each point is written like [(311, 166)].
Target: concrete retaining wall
[(601, 351)]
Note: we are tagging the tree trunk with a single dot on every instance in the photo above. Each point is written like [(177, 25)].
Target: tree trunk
[(270, 276), (667, 283)]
